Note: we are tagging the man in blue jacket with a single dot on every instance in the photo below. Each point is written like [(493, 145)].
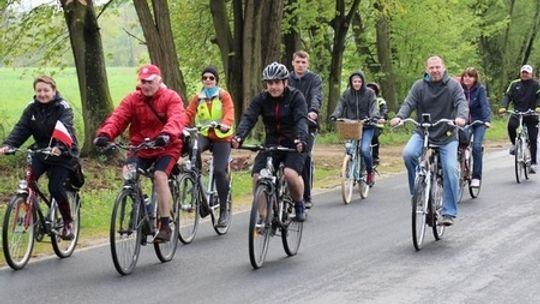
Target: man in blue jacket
[(441, 97)]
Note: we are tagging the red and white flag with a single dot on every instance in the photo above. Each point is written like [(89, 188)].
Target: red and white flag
[(61, 133)]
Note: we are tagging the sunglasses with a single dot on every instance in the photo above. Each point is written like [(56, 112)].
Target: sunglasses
[(208, 77)]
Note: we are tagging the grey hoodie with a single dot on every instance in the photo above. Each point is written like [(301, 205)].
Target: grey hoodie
[(356, 104), (442, 99)]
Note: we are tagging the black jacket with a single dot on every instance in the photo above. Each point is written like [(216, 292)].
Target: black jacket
[(310, 84), (524, 95), (38, 120), (284, 118)]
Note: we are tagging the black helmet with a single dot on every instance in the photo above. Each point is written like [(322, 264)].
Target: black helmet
[(375, 87), (275, 71)]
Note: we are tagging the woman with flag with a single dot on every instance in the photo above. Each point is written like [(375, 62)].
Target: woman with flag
[(48, 118)]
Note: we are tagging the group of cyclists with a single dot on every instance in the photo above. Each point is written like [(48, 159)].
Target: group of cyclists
[(289, 101)]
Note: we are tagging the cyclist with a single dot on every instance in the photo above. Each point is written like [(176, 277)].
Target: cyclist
[(358, 102), (48, 118), (283, 110), (524, 93), (156, 112), (214, 104), (383, 112), (475, 94), (440, 96), (310, 84)]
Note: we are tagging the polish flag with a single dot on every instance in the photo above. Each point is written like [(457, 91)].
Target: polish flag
[(61, 133)]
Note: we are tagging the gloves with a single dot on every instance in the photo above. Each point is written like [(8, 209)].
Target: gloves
[(502, 110), (162, 140), (101, 141)]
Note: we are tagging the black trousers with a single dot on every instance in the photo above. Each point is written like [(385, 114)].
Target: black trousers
[(306, 173), (532, 127), (57, 176)]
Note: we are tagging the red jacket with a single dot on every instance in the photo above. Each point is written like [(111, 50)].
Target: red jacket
[(135, 111)]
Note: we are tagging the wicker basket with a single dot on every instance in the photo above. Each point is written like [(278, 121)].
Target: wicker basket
[(350, 129)]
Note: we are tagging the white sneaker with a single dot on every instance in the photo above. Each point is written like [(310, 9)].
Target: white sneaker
[(475, 183), (533, 168)]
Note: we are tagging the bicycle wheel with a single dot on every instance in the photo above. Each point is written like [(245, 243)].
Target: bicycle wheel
[(125, 232), (165, 251), (526, 159), (228, 206), (260, 225), (518, 161), (18, 232), (363, 186), (347, 179), (419, 210), (436, 205), (188, 210), (462, 177), (473, 191), (64, 248), (291, 232)]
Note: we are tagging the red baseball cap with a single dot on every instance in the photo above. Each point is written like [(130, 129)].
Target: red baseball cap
[(149, 72)]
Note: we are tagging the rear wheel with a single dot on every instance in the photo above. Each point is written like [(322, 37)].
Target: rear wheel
[(18, 232), (125, 232), (165, 251), (228, 206), (260, 225), (437, 204), (188, 210), (64, 248), (291, 232), (347, 179), (419, 210)]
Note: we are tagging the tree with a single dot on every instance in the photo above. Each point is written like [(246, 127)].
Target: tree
[(85, 38), (156, 25)]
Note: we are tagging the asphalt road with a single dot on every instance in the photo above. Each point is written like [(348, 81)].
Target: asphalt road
[(360, 253)]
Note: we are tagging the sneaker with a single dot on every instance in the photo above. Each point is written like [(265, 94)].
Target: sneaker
[(533, 168), (475, 183), (299, 211), (512, 150), (164, 234), (371, 178), (223, 219), (308, 204), (446, 220), (67, 233)]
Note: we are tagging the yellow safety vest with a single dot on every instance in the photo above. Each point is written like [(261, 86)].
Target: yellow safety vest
[(204, 117)]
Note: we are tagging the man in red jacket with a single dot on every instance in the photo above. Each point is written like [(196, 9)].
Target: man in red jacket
[(156, 112)]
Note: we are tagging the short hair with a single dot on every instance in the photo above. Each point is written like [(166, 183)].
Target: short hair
[(301, 54), (45, 79), (435, 57), (471, 72)]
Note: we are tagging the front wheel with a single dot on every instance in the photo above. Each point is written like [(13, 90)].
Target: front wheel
[(18, 232), (188, 210), (519, 161), (436, 206), (347, 179), (64, 248), (419, 211), (125, 232), (260, 225)]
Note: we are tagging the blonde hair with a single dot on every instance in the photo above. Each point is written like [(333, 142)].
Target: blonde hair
[(45, 79)]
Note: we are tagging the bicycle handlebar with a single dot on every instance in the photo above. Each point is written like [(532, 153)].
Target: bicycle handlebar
[(529, 112), (44, 151), (365, 121), (146, 144), (427, 124), (267, 148)]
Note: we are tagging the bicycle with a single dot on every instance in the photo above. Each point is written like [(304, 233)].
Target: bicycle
[(272, 211), (522, 154), (353, 170), (195, 198), (26, 222), (135, 215), (466, 164), (428, 187)]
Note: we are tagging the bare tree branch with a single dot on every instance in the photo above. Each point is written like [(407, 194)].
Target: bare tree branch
[(134, 37), (103, 9)]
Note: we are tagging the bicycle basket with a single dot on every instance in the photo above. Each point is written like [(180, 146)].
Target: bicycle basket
[(351, 129)]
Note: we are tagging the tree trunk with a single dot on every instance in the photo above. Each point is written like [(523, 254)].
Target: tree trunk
[(384, 54), (530, 39), (87, 49), (272, 13), (507, 60), (252, 50), (160, 43), (341, 25), (291, 39)]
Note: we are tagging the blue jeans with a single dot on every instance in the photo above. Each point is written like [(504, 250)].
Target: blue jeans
[(448, 153), (478, 132), (365, 148)]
